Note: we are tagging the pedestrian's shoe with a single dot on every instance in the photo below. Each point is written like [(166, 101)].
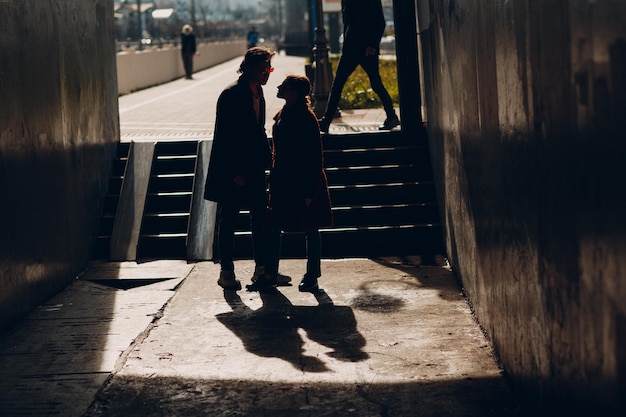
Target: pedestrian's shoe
[(263, 283), (281, 280), (258, 272), (228, 281), (308, 284), (390, 123), (324, 124)]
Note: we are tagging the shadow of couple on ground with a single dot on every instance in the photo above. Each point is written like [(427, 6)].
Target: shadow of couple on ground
[(272, 330)]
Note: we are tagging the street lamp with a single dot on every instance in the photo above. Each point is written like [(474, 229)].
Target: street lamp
[(139, 25), (322, 72)]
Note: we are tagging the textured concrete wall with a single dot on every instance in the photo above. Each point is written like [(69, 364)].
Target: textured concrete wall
[(525, 106), (58, 132)]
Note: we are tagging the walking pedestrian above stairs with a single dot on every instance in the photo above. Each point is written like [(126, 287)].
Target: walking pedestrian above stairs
[(363, 28)]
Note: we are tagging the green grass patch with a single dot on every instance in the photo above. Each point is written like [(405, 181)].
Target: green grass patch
[(357, 92)]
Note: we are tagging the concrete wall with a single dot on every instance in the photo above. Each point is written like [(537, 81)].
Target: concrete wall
[(153, 66), (58, 132), (525, 106)]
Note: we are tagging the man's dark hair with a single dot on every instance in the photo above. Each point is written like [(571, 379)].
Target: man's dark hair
[(254, 56)]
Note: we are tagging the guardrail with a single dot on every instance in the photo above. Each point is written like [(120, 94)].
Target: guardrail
[(138, 69)]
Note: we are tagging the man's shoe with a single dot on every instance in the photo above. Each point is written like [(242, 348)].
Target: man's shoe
[(258, 272), (390, 123), (263, 283), (282, 280), (308, 284), (228, 281)]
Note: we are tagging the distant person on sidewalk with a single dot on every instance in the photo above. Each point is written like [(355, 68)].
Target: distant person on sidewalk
[(188, 50), (299, 200), (253, 37), (363, 28), (240, 154)]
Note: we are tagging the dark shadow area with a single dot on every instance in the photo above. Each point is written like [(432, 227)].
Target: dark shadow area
[(272, 330), (425, 276), (127, 284), (53, 361), (56, 359), (370, 301), (163, 396)]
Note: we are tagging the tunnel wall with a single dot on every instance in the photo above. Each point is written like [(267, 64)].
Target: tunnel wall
[(58, 132), (525, 105)]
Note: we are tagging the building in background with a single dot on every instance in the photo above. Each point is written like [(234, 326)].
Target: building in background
[(161, 20)]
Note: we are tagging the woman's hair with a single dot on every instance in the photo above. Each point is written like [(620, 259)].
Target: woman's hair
[(254, 56), (300, 84)]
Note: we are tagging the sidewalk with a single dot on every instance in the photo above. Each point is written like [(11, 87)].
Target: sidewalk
[(185, 109), (384, 337)]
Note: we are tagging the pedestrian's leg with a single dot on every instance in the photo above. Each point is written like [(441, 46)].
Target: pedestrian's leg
[(313, 253), (370, 65), (187, 64), (258, 213), (227, 213), (226, 230), (272, 252), (268, 279), (313, 262), (345, 67)]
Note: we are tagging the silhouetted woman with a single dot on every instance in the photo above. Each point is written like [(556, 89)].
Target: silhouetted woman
[(299, 201)]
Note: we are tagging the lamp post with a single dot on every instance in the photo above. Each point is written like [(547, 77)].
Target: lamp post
[(139, 26), (322, 71)]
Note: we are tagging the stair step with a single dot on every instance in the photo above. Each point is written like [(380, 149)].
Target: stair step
[(166, 246), (381, 187), (383, 174), (165, 223), (171, 182), (359, 242), (186, 147), (174, 164), (375, 156), (111, 201), (374, 194), (385, 215), (370, 140)]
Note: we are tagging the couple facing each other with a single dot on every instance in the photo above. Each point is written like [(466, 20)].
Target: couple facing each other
[(298, 198)]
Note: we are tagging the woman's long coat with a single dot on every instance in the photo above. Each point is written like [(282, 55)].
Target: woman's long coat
[(240, 146), (297, 172)]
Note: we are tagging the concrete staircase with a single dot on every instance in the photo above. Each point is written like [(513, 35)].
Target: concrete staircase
[(381, 189)]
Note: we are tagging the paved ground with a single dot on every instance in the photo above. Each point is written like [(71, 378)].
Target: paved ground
[(384, 338), (185, 109)]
